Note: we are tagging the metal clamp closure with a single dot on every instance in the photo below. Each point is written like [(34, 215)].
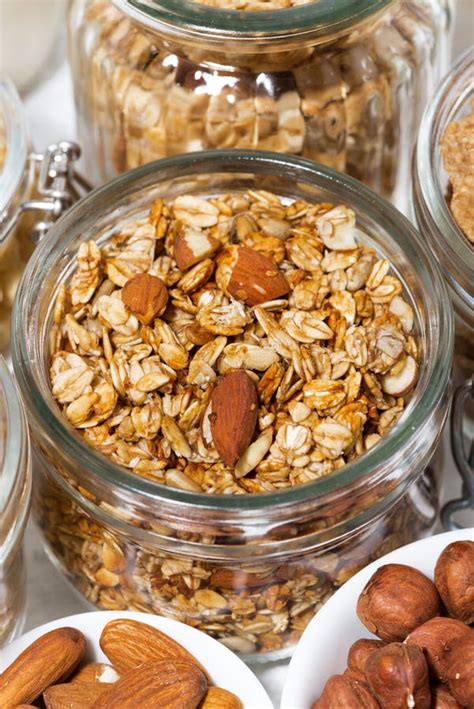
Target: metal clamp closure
[(463, 458), (58, 186)]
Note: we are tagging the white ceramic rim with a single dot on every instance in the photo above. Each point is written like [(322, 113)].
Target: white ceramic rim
[(341, 607), (224, 667)]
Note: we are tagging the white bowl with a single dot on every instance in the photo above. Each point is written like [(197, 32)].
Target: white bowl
[(225, 669), (322, 650)]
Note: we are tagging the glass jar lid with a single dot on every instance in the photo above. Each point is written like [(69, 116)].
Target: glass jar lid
[(15, 477), (195, 20)]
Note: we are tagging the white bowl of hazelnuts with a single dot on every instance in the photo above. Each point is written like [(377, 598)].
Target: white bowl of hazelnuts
[(398, 635)]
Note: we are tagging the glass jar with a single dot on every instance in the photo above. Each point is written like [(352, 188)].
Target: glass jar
[(250, 570), (34, 191), (343, 83), (453, 252), (15, 492)]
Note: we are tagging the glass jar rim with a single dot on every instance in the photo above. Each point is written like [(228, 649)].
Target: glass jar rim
[(195, 20), (451, 246), (26, 346), (13, 117), (14, 460)]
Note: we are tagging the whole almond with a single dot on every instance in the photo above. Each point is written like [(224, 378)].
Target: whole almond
[(255, 278), (171, 684), (74, 695), (95, 672), (192, 246), (217, 698), (129, 643), (48, 660), (234, 404), (145, 296), (236, 579)]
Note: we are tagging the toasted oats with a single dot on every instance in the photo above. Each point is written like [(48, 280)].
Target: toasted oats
[(322, 358)]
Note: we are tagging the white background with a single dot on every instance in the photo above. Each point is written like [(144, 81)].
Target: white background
[(50, 113)]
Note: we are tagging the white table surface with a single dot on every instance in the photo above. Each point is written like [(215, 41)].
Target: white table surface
[(50, 113)]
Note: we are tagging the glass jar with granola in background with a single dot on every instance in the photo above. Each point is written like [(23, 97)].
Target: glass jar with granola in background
[(34, 191), (443, 204), (15, 492), (142, 503), (343, 83)]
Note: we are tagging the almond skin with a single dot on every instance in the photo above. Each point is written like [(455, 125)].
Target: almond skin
[(454, 579), (74, 695), (145, 296), (217, 698), (255, 278), (95, 672), (192, 246), (234, 405), (48, 660), (396, 600), (164, 685), (129, 643)]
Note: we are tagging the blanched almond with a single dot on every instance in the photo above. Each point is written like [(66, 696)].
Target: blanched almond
[(401, 383)]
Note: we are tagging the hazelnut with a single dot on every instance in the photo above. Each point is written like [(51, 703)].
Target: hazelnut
[(340, 692), (359, 653), (396, 600), (460, 669), (436, 637), (397, 674), (443, 699), (454, 579)]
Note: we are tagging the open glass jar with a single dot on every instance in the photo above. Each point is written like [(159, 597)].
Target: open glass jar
[(343, 83), (34, 191), (454, 253), (250, 569), (15, 492)]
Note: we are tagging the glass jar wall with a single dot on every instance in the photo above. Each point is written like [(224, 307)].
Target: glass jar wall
[(444, 237), (15, 490), (15, 186), (342, 83), (250, 569)]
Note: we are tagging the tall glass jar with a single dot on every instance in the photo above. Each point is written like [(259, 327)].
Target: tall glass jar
[(15, 492), (453, 252), (341, 82), (251, 569), (34, 191)]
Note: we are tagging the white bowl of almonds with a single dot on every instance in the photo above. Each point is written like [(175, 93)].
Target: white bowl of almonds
[(123, 659)]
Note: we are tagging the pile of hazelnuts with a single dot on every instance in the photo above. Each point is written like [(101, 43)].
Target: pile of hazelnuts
[(424, 657)]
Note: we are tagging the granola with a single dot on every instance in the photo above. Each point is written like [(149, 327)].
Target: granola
[(457, 149), (143, 95), (154, 324), (232, 344)]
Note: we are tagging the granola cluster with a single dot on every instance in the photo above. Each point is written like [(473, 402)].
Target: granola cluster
[(233, 345)]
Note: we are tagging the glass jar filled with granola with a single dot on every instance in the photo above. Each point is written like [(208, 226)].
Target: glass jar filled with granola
[(34, 190), (343, 83), (15, 492), (443, 203), (236, 369)]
